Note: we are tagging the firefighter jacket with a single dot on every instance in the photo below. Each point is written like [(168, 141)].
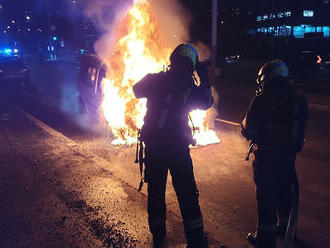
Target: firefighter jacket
[(170, 98), (276, 124)]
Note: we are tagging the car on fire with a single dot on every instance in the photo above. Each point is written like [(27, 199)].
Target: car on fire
[(91, 73), (13, 71)]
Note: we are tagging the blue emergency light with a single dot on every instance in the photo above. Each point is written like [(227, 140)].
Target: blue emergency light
[(9, 52)]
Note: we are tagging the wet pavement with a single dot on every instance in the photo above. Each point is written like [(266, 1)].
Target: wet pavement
[(80, 191)]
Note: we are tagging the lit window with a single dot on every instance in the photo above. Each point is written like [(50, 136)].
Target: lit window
[(309, 29), (287, 13), (264, 30), (259, 18), (326, 31), (308, 13), (298, 31), (272, 16), (280, 15), (284, 30), (265, 17)]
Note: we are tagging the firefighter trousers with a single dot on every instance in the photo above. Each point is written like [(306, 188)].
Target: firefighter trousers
[(177, 160), (273, 176)]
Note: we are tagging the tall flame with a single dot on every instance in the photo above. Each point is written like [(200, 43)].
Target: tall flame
[(137, 52)]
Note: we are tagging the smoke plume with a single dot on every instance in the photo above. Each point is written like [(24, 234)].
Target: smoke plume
[(173, 22)]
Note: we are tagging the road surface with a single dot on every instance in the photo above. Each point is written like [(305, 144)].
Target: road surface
[(84, 190)]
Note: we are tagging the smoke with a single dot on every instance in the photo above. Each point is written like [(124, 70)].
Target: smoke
[(173, 22), (106, 14)]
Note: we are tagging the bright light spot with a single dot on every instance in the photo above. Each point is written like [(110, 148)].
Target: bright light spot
[(7, 51), (28, 17), (308, 13), (13, 21), (138, 52), (15, 50)]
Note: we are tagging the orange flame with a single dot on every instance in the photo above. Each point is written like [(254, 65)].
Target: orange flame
[(138, 51)]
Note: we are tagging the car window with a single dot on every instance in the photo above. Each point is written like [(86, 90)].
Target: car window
[(91, 75), (102, 74)]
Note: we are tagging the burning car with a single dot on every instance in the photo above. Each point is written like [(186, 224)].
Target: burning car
[(105, 87), (91, 73)]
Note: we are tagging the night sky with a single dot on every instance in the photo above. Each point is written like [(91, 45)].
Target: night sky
[(196, 6)]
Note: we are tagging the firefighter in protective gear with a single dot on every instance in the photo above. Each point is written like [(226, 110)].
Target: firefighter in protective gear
[(171, 95), (275, 122)]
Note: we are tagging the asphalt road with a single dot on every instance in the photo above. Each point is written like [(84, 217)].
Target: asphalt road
[(56, 131)]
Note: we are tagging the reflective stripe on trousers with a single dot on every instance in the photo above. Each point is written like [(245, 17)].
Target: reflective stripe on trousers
[(178, 161)]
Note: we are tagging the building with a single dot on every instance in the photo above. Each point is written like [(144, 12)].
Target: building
[(299, 23), (281, 28)]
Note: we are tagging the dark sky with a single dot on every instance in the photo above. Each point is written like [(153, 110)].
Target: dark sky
[(194, 5)]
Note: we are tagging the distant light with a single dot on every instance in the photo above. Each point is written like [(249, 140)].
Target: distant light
[(13, 21), (7, 51), (319, 59), (15, 50), (8, 27), (82, 51), (19, 30), (221, 22), (73, 1), (28, 17), (28, 29), (54, 38), (0, 6), (287, 13), (4, 31), (308, 13)]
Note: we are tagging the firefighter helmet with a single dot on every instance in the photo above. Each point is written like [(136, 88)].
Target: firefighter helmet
[(270, 73), (185, 50)]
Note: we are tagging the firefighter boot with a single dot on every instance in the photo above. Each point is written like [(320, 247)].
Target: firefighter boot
[(197, 239), (159, 241), (262, 240)]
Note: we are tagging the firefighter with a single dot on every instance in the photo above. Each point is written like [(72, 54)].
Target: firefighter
[(275, 122), (171, 95)]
